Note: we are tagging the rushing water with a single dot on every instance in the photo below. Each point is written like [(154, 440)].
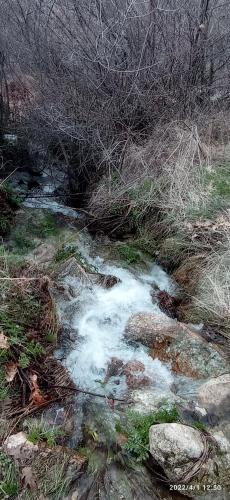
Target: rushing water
[(100, 322)]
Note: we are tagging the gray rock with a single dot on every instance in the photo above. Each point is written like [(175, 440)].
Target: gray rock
[(179, 448), (175, 446), (214, 396)]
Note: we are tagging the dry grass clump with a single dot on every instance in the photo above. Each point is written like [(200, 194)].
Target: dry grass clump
[(212, 300), (165, 175)]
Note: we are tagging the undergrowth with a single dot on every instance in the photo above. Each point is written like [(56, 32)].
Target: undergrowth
[(38, 431), (136, 429), (129, 254), (9, 477)]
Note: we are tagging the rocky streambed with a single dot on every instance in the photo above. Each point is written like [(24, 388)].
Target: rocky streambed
[(128, 357)]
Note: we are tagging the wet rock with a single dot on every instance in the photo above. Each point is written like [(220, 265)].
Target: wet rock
[(148, 400), (177, 343), (214, 396), (135, 377), (106, 281), (114, 368), (167, 303), (71, 268), (190, 354), (175, 447), (132, 367), (146, 328), (137, 381)]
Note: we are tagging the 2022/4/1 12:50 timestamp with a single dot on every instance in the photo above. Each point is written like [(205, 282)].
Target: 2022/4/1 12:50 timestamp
[(195, 487)]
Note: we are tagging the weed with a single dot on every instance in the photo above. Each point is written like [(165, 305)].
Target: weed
[(137, 430), (129, 254), (94, 460), (34, 349)]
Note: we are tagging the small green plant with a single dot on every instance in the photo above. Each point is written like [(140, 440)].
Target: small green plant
[(50, 337), (47, 227), (34, 349), (137, 428), (129, 254), (24, 360), (64, 254), (199, 425), (12, 329), (38, 432)]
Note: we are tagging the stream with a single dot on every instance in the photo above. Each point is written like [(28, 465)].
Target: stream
[(97, 317)]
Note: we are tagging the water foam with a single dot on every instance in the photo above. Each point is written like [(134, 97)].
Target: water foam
[(100, 325)]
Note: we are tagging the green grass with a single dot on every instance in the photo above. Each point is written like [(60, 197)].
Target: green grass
[(22, 244), (64, 254), (39, 432), (136, 429), (129, 254), (9, 477), (199, 425)]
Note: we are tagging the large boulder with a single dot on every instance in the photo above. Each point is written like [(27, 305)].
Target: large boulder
[(188, 456), (175, 446), (175, 342), (148, 328), (190, 354)]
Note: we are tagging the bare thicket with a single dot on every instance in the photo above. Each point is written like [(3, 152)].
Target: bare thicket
[(106, 72)]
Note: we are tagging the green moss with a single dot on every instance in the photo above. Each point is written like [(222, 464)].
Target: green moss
[(129, 254), (137, 427)]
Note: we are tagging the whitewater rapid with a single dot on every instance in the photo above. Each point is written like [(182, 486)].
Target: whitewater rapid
[(100, 321)]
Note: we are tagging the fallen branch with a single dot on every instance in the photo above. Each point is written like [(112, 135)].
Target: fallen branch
[(90, 393)]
